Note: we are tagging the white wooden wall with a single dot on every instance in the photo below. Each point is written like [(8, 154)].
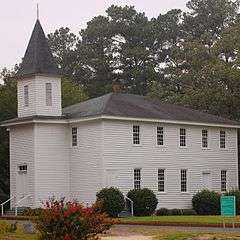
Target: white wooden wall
[(52, 169), (86, 162), (121, 157), (22, 152), (37, 97)]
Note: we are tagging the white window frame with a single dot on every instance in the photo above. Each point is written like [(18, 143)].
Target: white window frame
[(223, 180), (182, 137), (184, 180), (74, 136), (137, 178), (26, 95), (48, 88), (222, 139), (205, 138), (161, 180), (160, 136), (136, 137)]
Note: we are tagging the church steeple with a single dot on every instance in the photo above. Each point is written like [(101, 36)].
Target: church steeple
[(38, 59), (39, 82)]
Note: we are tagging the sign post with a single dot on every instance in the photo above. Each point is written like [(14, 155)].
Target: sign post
[(228, 207)]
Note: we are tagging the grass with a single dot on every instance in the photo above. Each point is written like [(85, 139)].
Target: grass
[(196, 236), (5, 234), (180, 219)]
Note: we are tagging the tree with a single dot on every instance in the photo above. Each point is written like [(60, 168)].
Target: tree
[(72, 93), (63, 46), (8, 110), (96, 55), (207, 18), (135, 36)]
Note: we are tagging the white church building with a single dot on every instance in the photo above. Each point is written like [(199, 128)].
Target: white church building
[(121, 140)]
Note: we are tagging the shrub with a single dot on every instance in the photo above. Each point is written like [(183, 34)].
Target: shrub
[(30, 212), (188, 212), (206, 203), (5, 227), (144, 201), (162, 212), (175, 212), (70, 221), (235, 193), (111, 201)]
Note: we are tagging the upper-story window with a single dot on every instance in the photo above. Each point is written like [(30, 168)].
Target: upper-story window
[(182, 139), (160, 136), (183, 180), (26, 96), (223, 180), (222, 139), (204, 138), (48, 94), (74, 137), (136, 135), (137, 178)]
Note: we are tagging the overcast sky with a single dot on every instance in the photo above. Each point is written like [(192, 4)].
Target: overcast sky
[(17, 18)]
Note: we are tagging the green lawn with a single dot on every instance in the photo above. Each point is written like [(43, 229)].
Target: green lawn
[(179, 219)]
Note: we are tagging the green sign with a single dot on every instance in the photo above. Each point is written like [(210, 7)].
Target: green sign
[(228, 206)]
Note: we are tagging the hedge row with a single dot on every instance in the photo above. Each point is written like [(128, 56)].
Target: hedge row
[(175, 212)]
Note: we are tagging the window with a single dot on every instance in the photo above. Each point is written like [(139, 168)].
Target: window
[(204, 138), (160, 136), (136, 135), (223, 180), (182, 137), (26, 96), (48, 94), (22, 168), (183, 180), (137, 178), (222, 139), (161, 178), (74, 137)]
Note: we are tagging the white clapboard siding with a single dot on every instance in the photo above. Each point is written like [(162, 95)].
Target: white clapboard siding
[(86, 162), (22, 152), (121, 157), (37, 97), (52, 176)]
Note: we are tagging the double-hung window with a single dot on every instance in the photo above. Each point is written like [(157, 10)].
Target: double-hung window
[(160, 136), (137, 178), (161, 180), (136, 135), (223, 180), (204, 138), (222, 139), (182, 139), (74, 137), (48, 94), (183, 180), (26, 96)]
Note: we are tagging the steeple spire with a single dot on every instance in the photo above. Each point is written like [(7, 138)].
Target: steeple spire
[(38, 58), (37, 11)]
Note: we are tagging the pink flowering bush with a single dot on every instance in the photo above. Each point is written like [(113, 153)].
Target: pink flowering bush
[(70, 221)]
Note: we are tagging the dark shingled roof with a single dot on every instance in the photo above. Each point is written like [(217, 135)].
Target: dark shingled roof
[(38, 58), (129, 105)]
